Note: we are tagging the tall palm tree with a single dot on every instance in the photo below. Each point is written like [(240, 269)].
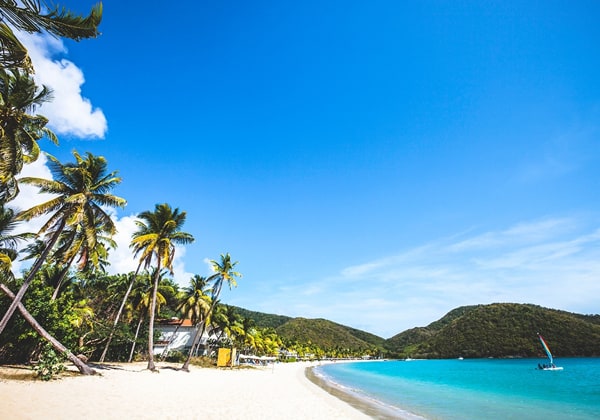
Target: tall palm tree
[(154, 241), (80, 191), (19, 129), (132, 277), (195, 305), (142, 301), (224, 272), (35, 16)]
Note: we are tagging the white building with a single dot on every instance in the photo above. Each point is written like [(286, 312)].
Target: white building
[(178, 335)]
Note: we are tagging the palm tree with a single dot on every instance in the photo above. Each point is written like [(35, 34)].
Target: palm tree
[(8, 253), (73, 245), (223, 273), (158, 233), (19, 129), (142, 300), (27, 16), (8, 242), (80, 190), (83, 368), (195, 305), (132, 279), (223, 320)]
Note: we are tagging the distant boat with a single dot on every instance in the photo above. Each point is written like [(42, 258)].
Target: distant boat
[(550, 365)]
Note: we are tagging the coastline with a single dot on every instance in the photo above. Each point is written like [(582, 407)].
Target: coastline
[(130, 391), (372, 408)]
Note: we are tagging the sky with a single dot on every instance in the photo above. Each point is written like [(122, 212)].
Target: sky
[(377, 164)]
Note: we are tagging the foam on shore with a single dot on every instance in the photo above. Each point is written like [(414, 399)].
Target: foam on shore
[(370, 406)]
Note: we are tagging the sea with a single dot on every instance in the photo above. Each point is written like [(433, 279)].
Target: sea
[(487, 389)]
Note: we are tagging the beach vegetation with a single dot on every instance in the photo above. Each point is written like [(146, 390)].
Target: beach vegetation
[(49, 363)]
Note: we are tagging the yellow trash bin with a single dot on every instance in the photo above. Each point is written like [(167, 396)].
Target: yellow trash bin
[(224, 357)]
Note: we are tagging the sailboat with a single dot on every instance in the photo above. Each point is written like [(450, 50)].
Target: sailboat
[(550, 365)]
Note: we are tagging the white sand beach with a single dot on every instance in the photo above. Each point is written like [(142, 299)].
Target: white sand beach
[(128, 391)]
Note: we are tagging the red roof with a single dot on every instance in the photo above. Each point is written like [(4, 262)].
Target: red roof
[(175, 322)]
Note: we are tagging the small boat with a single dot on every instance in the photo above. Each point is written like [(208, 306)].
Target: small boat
[(550, 365)]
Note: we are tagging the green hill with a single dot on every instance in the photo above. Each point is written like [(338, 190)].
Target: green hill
[(262, 319), (500, 330), (328, 335), (320, 332)]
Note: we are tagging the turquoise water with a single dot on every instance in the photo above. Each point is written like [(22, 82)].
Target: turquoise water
[(476, 389)]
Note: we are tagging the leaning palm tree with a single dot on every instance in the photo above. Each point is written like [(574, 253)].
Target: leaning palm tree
[(80, 190), (194, 306), (223, 273), (8, 252), (35, 16), (154, 241), (20, 129)]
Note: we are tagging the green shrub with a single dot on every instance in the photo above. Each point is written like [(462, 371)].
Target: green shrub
[(49, 364)]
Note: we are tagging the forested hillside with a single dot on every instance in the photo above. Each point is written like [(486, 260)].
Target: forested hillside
[(500, 330)]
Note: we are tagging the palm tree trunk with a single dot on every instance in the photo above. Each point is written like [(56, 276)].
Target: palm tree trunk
[(198, 335), (137, 331), (171, 339), (119, 313), (61, 278), (151, 365), (34, 269), (83, 368)]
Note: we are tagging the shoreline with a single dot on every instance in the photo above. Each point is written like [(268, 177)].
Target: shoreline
[(375, 409)]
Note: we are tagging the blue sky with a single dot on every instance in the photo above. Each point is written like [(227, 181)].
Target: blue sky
[(373, 163)]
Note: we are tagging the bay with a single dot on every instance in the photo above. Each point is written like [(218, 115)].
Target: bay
[(473, 388)]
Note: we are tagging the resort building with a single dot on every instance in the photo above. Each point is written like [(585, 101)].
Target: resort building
[(178, 335)]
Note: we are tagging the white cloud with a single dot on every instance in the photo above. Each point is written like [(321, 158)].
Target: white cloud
[(69, 112)]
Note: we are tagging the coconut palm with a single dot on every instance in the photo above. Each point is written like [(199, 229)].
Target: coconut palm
[(83, 368), (73, 246), (80, 191), (8, 241), (20, 130), (223, 321), (194, 306), (142, 301), (35, 16), (154, 241), (132, 277), (223, 273)]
